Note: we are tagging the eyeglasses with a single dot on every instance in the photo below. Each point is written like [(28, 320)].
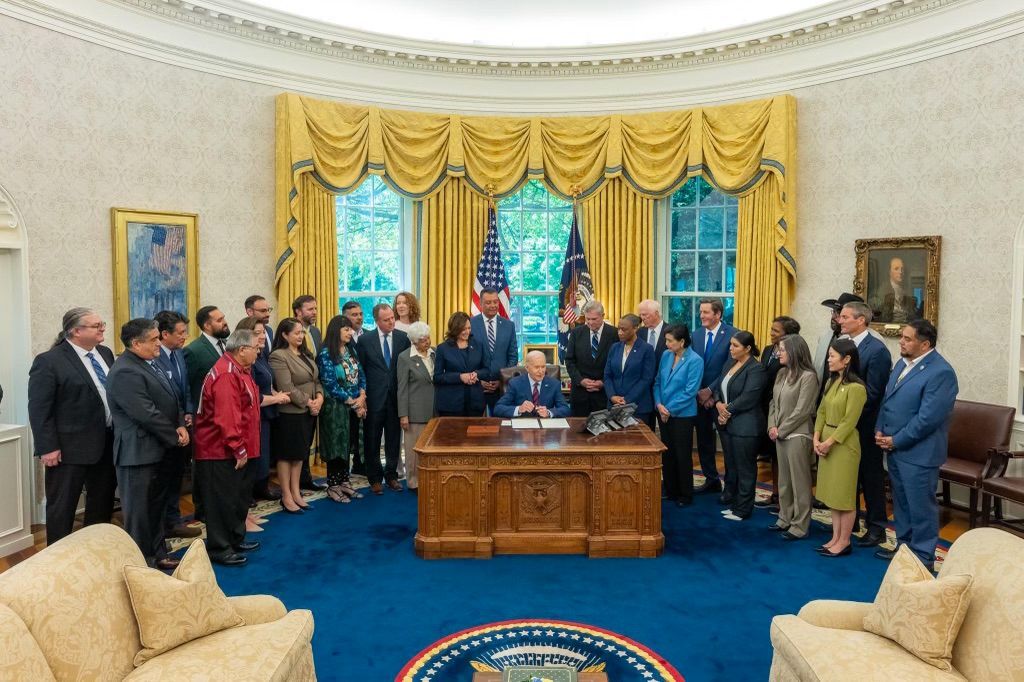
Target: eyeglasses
[(100, 326), (264, 310)]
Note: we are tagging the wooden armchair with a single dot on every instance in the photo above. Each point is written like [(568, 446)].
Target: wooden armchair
[(977, 432), (1001, 487)]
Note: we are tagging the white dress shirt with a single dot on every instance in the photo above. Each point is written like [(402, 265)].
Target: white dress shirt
[(428, 359), (911, 364), (533, 385), (214, 341), (857, 339), (653, 338), (92, 372)]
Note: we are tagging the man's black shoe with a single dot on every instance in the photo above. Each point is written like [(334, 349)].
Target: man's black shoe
[(267, 494), (871, 539), (312, 486), (818, 504), (711, 486), (229, 560), (249, 546), (886, 554)]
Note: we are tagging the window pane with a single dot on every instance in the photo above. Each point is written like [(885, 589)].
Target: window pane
[(534, 271), (360, 196), (731, 227), (535, 196), (360, 271), (387, 278), (712, 224), (709, 271), (358, 228), (730, 308), (386, 232), (711, 196), (383, 196), (555, 202), (684, 229), (509, 231), (730, 271), (535, 314), (555, 262), (559, 226), (687, 194), (509, 203), (513, 273), (535, 233), (681, 310), (683, 278)]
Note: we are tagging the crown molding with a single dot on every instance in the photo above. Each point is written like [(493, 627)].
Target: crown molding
[(329, 61)]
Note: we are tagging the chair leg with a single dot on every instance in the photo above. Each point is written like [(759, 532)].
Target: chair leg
[(973, 512), (999, 508), (945, 493), (986, 508)]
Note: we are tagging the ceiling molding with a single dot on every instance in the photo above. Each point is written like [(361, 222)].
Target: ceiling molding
[(513, 80)]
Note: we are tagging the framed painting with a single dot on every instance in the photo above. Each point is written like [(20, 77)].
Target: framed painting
[(156, 265), (899, 279), (550, 351)]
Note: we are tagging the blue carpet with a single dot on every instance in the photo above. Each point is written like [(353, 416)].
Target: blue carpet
[(705, 605)]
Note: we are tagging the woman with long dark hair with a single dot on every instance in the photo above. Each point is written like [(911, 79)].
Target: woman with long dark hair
[(837, 444), (344, 385), (740, 423), (291, 435), (458, 370)]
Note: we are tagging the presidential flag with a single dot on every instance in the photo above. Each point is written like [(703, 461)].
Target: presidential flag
[(490, 273), (576, 289)]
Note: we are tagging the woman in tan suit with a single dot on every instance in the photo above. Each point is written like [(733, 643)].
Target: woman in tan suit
[(415, 394), (291, 435), (790, 427)]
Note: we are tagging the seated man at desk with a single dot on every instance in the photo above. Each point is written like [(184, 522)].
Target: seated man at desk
[(533, 394)]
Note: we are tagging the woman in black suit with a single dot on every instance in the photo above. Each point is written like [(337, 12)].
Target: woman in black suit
[(740, 423), (458, 370)]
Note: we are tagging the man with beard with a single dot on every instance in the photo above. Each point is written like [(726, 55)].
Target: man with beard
[(304, 310), (258, 307), (827, 337), (200, 356)]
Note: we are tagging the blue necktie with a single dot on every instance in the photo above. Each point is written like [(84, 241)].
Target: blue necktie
[(160, 375), (175, 370), (707, 346), (490, 335), (98, 368), (387, 352), (593, 344)]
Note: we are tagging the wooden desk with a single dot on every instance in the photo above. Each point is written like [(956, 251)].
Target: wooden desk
[(504, 491)]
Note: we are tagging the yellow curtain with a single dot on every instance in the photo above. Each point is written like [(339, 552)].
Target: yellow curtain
[(618, 238), (314, 269), (746, 149), (452, 228)]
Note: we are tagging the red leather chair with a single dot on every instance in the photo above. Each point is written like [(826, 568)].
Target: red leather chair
[(977, 433)]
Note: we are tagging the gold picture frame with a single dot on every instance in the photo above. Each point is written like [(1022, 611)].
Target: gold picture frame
[(898, 277), (550, 351), (156, 265)]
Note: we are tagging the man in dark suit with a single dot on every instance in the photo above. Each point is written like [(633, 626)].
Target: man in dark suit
[(71, 424), (378, 354), (711, 343), (497, 336), (304, 309), (653, 332), (875, 363), (585, 356), (533, 394), (148, 422), (173, 330), (913, 427), (200, 355), (258, 307)]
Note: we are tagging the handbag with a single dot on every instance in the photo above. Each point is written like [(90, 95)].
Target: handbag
[(705, 398)]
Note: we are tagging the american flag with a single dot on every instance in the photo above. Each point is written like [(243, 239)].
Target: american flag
[(166, 244), (491, 270), (576, 288)]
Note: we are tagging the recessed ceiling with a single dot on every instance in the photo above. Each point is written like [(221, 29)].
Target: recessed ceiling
[(541, 23)]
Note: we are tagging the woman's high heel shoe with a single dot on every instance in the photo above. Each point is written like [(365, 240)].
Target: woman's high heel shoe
[(829, 554), (292, 511), (347, 488)]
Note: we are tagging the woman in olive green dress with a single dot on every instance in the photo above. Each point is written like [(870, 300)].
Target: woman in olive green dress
[(837, 443)]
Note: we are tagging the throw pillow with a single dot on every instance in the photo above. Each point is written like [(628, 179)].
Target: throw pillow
[(919, 612), (174, 609)]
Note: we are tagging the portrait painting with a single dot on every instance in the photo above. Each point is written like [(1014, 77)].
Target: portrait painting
[(550, 351), (155, 264), (899, 280)]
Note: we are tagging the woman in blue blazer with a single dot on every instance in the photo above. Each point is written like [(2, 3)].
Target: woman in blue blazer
[(675, 399), (458, 370), (629, 372)]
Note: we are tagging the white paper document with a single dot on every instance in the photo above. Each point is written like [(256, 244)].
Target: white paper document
[(506, 422), (554, 424), (523, 423)]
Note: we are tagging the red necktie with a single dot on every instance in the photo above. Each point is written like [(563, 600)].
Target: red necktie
[(536, 394)]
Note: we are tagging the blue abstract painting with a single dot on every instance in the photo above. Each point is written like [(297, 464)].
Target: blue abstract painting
[(157, 267)]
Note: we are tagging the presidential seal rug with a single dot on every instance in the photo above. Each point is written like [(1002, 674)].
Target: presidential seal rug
[(496, 646)]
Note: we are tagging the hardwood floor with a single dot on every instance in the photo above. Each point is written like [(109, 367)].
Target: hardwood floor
[(952, 523)]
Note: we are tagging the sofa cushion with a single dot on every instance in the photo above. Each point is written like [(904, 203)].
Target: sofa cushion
[(813, 653), (276, 651), (20, 657), (173, 610), (73, 599), (918, 612)]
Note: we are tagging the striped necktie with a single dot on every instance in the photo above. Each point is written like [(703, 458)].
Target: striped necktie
[(98, 368), (490, 335), (593, 344)]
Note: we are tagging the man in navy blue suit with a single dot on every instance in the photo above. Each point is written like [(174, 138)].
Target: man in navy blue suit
[(533, 394), (497, 336), (173, 329), (875, 363), (913, 427), (711, 343)]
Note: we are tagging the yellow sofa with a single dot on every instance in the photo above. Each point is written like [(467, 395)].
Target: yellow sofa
[(826, 641), (65, 615)]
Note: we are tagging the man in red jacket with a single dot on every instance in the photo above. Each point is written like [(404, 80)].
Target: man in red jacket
[(227, 435)]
